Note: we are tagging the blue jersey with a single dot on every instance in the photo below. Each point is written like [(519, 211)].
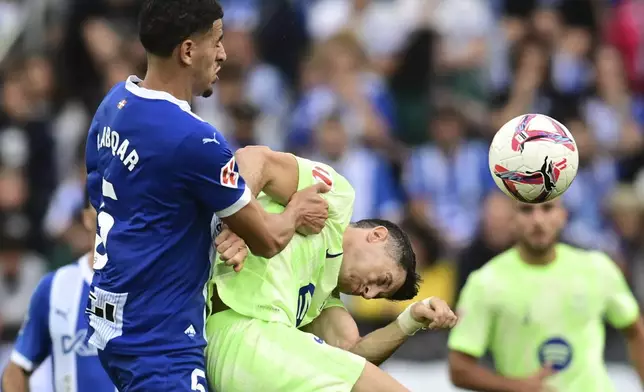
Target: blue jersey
[(159, 177), (55, 326)]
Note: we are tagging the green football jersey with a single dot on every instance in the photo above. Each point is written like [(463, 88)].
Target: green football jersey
[(528, 315), (297, 284)]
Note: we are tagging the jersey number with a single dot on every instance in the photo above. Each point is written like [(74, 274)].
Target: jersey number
[(105, 221), (194, 380)]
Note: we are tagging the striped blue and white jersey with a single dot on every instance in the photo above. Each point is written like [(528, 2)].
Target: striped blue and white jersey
[(56, 326)]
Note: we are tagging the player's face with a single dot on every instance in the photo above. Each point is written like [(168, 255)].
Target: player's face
[(368, 270), (209, 56), (538, 225)]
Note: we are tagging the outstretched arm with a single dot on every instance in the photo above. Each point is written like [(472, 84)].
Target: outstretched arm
[(338, 328)]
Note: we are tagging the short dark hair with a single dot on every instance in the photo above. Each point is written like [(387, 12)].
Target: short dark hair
[(164, 24), (399, 247)]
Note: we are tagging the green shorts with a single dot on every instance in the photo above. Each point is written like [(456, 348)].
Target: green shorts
[(245, 355)]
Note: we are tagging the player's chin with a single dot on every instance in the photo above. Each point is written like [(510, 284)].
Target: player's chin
[(207, 92), (540, 245)]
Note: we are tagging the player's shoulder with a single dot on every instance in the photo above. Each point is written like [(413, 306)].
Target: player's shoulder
[(499, 264), (587, 259), (40, 296)]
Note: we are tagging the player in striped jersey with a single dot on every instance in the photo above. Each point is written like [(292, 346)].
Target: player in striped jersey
[(56, 326)]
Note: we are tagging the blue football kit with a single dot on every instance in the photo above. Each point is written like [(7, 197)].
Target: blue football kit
[(159, 178), (56, 327)]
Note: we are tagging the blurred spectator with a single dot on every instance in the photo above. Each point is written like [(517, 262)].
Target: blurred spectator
[(243, 127), (609, 111), (20, 272), (493, 236), (25, 140), (585, 199), (342, 80), (446, 180), (531, 91), (464, 27), (625, 30), (377, 193), (625, 210)]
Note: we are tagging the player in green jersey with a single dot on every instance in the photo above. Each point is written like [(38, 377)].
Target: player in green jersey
[(539, 310), (279, 325)]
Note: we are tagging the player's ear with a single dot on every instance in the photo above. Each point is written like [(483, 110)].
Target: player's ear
[(378, 234), (186, 52)]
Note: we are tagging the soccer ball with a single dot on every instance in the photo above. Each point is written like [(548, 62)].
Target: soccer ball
[(533, 158)]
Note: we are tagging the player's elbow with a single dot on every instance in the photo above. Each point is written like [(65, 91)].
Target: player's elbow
[(252, 156)]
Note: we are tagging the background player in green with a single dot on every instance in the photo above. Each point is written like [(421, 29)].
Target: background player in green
[(271, 319), (539, 309)]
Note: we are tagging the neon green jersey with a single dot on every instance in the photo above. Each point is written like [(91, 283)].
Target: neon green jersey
[(528, 315), (297, 284)]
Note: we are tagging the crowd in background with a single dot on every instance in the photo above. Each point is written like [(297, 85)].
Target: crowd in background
[(400, 96)]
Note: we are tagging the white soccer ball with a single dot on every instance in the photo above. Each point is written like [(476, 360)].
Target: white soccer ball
[(533, 158)]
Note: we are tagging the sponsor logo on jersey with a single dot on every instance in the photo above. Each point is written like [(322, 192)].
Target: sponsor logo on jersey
[(556, 352), (228, 176), (322, 175), (76, 344)]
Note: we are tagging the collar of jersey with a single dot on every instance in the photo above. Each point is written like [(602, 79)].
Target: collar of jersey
[(86, 270), (132, 86)]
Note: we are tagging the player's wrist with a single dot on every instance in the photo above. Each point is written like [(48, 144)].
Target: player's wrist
[(408, 325)]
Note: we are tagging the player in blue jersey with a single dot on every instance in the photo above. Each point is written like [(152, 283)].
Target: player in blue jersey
[(161, 178), (55, 326)]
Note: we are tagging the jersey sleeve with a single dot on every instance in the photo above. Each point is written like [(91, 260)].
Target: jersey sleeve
[(340, 197), (33, 344), (210, 172), (621, 309), (471, 333)]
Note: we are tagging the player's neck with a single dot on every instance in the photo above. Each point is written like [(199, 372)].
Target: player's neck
[(161, 76), (537, 258)]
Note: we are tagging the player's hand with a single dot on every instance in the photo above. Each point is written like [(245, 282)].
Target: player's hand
[(231, 249), (537, 383), (436, 314), (311, 208)]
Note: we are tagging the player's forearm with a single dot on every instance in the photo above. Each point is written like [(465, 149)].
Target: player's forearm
[(281, 229), (14, 379), (635, 340), (379, 345), (466, 373)]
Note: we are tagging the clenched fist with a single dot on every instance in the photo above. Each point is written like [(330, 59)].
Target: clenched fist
[(433, 313), (429, 313), (231, 249)]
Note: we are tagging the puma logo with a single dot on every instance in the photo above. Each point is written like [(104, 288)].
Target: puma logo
[(207, 140)]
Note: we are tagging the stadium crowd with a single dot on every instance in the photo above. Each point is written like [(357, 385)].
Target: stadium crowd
[(400, 96)]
